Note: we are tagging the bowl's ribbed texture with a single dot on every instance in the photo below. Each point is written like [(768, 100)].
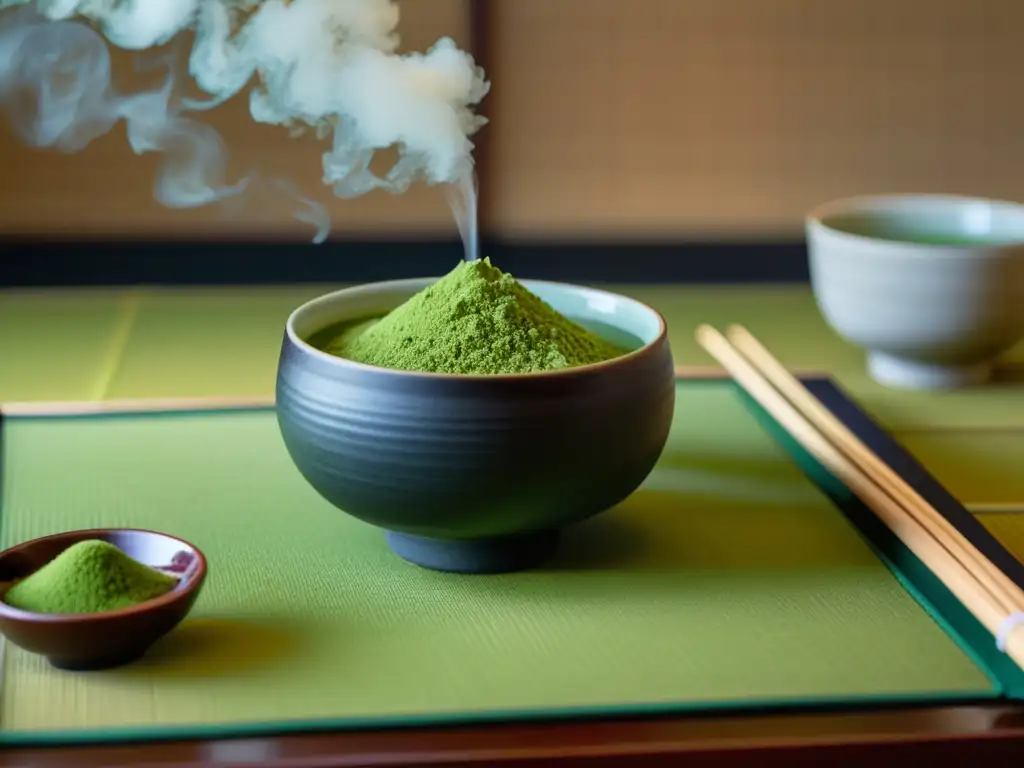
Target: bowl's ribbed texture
[(474, 457)]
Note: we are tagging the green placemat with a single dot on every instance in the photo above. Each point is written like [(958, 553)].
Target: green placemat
[(728, 580), (60, 345)]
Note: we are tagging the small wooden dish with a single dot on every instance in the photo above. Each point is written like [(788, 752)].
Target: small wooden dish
[(96, 641)]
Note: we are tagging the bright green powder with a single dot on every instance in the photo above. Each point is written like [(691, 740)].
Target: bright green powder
[(474, 320), (89, 577)]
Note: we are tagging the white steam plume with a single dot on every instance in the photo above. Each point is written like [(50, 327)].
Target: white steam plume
[(326, 65)]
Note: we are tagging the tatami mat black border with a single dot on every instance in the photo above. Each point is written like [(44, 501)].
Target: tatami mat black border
[(889, 450), (25, 263)]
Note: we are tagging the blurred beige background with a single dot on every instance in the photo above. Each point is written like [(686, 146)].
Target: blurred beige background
[(665, 119)]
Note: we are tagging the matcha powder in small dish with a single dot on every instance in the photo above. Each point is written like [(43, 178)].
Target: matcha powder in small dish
[(89, 577), (475, 320)]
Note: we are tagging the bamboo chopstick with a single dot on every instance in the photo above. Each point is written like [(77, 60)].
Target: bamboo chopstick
[(952, 569), (1009, 595)]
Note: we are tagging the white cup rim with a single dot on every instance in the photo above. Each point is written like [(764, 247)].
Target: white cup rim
[(819, 218), (866, 203)]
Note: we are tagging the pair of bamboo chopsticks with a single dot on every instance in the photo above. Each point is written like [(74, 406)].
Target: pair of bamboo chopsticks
[(988, 593)]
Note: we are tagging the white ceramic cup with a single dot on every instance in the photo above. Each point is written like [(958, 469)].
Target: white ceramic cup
[(932, 286)]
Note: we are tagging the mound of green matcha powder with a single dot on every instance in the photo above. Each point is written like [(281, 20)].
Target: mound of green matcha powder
[(89, 577), (474, 320)]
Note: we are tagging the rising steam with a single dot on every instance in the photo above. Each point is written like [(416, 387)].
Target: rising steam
[(330, 66)]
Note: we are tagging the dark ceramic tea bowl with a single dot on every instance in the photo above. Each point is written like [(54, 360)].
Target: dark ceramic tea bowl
[(95, 641), (476, 474)]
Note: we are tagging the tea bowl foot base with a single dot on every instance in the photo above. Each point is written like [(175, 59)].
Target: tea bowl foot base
[(909, 374), (498, 555)]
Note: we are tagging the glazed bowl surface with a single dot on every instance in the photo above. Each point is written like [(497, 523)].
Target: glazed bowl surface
[(476, 473)]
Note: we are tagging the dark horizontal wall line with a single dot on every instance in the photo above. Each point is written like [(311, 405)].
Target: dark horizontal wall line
[(26, 263)]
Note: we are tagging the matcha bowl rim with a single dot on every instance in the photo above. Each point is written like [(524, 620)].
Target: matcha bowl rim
[(185, 587), (896, 205), (412, 285)]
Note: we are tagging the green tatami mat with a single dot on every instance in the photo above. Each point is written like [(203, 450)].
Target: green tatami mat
[(787, 321), (1008, 527), (207, 343), (976, 466), (225, 342), (727, 580), (60, 345)]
